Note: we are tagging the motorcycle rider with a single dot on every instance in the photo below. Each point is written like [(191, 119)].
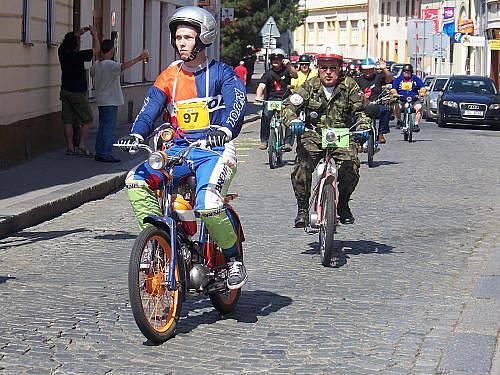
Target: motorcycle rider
[(205, 100), (408, 85), (371, 84), (336, 98), (275, 85), (305, 72)]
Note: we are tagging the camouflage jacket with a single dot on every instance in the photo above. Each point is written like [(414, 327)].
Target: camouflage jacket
[(343, 110)]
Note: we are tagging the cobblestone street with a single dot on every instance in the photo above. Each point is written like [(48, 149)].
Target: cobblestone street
[(411, 299)]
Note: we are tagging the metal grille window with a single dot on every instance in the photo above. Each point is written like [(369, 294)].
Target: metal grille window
[(26, 23), (388, 13), (321, 32), (355, 33), (50, 22), (382, 12)]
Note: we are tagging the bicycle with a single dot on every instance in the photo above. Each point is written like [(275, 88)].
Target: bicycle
[(324, 197), (409, 119), (174, 256), (276, 142)]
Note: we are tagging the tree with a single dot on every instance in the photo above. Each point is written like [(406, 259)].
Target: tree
[(250, 16)]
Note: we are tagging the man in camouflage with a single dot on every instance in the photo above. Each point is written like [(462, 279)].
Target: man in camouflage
[(338, 101)]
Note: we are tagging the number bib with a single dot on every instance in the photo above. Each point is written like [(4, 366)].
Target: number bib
[(192, 115), (406, 85), (274, 105), (335, 137)]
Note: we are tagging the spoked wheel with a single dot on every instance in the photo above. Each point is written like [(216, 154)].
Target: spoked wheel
[(410, 128), (272, 150), (371, 148), (281, 143), (327, 227), (225, 301), (156, 310)]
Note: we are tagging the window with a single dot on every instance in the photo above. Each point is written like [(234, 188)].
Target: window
[(311, 38), (355, 33), (388, 13), (413, 10), (382, 12), (321, 32), (26, 23), (398, 11), (343, 32), (387, 51), (407, 8), (396, 51)]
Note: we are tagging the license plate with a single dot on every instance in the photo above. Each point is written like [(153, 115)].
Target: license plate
[(468, 112)]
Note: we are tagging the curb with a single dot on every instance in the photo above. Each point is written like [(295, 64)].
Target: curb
[(36, 211)]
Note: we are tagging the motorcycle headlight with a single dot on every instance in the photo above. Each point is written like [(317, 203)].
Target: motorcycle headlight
[(450, 103), (157, 160), (330, 136), (494, 106)]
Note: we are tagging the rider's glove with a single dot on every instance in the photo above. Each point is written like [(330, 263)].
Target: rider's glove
[(298, 127), (128, 141), (216, 138)]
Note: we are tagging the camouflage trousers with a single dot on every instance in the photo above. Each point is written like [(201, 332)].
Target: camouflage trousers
[(309, 153)]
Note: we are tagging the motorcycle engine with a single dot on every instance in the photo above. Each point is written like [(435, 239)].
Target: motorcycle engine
[(198, 277)]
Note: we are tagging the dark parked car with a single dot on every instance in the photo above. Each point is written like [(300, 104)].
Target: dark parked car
[(469, 100)]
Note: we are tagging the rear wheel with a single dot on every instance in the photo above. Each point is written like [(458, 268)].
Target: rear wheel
[(156, 309), (327, 227), (225, 301), (371, 148), (272, 151)]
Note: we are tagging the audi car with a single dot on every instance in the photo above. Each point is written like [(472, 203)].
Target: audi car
[(469, 100)]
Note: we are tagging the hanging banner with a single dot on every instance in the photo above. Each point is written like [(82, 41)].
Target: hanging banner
[(449, 21), (432, 14)]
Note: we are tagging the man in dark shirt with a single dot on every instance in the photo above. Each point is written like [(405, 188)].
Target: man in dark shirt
[(75, 105), (371, 84), (275, 85)]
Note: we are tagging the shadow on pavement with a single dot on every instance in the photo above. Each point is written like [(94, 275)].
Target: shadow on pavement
[(252, 305), (26, 238), (378, 163), (4, 279), (117, 235)]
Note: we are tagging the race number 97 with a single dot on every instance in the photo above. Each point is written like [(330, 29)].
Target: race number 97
[(190, 117)]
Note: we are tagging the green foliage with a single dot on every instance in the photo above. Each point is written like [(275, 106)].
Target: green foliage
[(250, 16)]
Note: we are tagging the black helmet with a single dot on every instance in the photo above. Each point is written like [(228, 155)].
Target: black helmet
[(304, 59), (408, 67)]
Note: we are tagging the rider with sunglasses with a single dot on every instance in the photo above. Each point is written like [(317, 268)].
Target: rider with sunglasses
[(337, 101)]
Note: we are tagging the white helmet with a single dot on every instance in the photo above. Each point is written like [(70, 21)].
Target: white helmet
[(278, 52), (197, 17)]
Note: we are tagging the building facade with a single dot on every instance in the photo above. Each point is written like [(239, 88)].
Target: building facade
[(30, 120), (492, 25), (341, 24)]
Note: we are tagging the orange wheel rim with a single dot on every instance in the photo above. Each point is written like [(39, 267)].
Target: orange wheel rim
[(159, 304)]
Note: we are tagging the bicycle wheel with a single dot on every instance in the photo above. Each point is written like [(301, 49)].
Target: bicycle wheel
[(225, 301), (281, 143), (405, 128), (327, 227), (410, 127), (371, 148), (156, 310), (272, 149)]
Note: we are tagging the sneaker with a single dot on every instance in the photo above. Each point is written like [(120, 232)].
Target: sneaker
[(381, 139), (416, 128), (237, 274), (301, 219), (263, 146)]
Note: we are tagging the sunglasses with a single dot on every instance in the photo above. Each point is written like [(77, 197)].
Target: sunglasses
[(326, 68)]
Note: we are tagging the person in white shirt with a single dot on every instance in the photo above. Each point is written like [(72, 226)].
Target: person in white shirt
[(109, 96)]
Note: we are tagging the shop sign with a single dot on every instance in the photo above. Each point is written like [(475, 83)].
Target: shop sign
[(466, 26)]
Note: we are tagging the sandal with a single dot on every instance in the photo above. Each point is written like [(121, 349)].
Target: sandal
[(84, 152)]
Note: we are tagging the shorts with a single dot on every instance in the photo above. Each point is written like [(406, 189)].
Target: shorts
[(75, 108)]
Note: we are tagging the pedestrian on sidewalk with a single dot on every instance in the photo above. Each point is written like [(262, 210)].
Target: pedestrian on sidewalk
[(75, 105), (241, 71), (109, 96)]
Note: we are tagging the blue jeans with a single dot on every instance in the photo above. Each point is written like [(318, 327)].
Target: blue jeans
[(107, 123), (384, 118)]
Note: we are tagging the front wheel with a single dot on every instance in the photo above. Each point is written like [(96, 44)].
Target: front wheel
[(328, 223), (272, 150), (156, 309), (371, 149), (410, 128)]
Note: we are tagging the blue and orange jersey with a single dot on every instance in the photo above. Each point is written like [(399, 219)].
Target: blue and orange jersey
[(408, 87), (225, 99)]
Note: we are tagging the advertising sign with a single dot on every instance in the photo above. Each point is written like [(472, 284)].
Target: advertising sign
[(473, 41), (466, 26), (432, 14), (494, 44), (449, 21)]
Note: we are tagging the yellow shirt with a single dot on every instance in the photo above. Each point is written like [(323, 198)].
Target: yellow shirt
[(297, 82)]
